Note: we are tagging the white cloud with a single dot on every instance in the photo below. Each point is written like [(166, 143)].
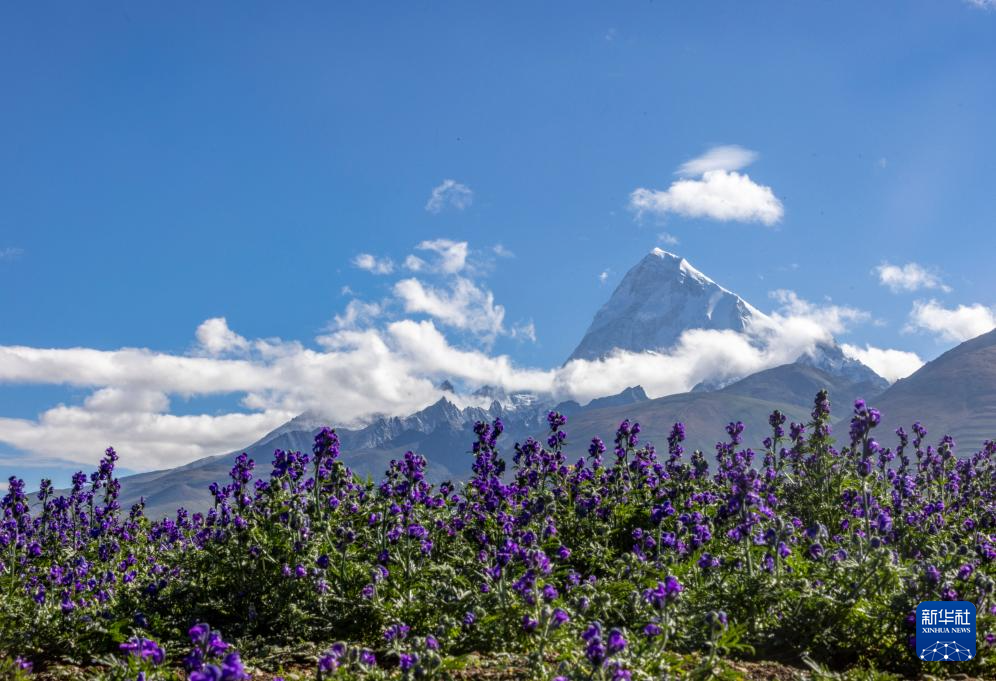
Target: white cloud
[(358, 313), (982, 4), (604, 276), (728, 158), (464, 306), (145, 440), (452, 254), (951, 324), (215, 338), (834, 319), (450, 194), (10, 253), (909, 277), (720, 193), (373, 264), (668, 239), (887, 363)]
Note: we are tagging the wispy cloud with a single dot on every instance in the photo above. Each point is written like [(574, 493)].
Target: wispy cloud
[(667, 239), (10, 253), (452, 255), (730, 157), (711, 188), (524, 331), (909, 277), (502, 252), (449, 194), (604, 276), (982, 4), (357, 314)]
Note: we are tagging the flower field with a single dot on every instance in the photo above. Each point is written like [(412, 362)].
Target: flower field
[(600, 560)]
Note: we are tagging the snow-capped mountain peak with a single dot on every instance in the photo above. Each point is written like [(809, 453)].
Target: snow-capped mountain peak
[(663, 296), (659, 298)]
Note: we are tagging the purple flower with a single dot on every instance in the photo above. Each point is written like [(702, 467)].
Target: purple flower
[(145, 649), (664, 593), (328, 662), (397, 632), (208, 672), (407, 660), (232, 669), (616, 642)]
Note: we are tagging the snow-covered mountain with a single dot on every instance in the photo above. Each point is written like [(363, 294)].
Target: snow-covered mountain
[(657, 300), (662, 296)]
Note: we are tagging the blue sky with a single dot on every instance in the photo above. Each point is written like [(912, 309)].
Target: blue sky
[(168, 165)]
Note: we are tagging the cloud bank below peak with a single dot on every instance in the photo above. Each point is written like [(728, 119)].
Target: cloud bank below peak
[(366, 365)]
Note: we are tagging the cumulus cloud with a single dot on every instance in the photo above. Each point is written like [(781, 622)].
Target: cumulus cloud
[(449, 194), (463, 306), (215, 338), (909, 277), (373, 264), (951, 324), (887, 363), (712, 188)]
